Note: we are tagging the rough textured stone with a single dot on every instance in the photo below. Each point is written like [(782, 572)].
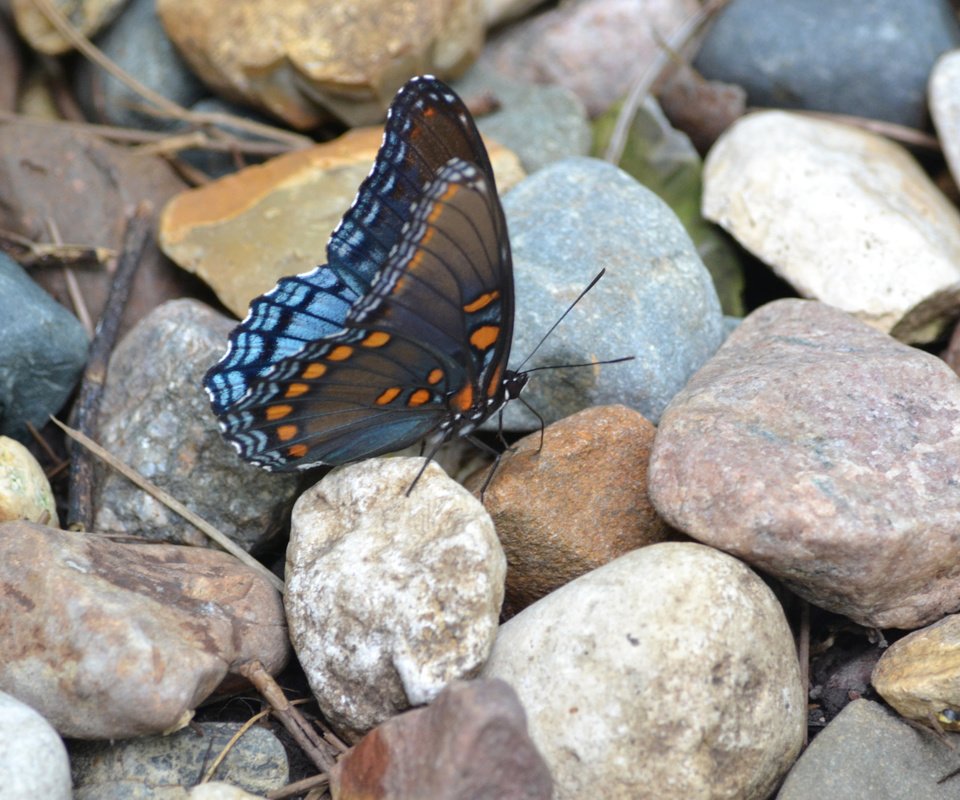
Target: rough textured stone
[(33, 760), (44, 350), (244, 232), (24, 489), (944, 93), (866, 59), (867, 752), (390, 597), (87, 16), (166, 767), (847, 217), (304, 60), (108, 640), (656, 301), (672, 667), (470, 743), (919, 675), (156, 417), (581, 46), (825, 453), (574, 504)]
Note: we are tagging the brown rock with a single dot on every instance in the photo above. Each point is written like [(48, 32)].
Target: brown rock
[(304, 60), (244, 232), (700, 108), (87, 16), (108, 640), (826, 453), (77, 184), (575, 505), (470, 743)]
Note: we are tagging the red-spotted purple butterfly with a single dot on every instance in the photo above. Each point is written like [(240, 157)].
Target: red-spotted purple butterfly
[(405, 332)]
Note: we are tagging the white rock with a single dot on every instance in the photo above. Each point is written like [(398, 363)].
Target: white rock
[(944, 100), (671, 667), (390, 597), (33, 760), (845, 216)]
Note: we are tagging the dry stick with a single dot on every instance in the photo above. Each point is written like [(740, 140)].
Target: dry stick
[(173, 504), (301, 730), (92, 52), (891, 130), (80, 503), (212, 769), (73, 286), (618, 139), (299, 787)]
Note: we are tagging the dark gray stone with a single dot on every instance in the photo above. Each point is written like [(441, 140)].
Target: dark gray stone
[(866, 751), (656, 302), (138, 43), (153, 767), (43, 353), (541, 124), (215, 163), (871, 59)]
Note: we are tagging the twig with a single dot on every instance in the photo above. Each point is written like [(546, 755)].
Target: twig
[(173, 504), (28, 253), (212, 769), (640, 89), (304, 733), (299, 787), (171, 109), (891, 130), (73, 287), (80, 504)]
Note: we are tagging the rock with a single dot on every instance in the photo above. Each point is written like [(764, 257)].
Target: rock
[(656, 301), (12, 71), (701, 109), (867, 751), (156, 417), (671, 667), (944, 93), (952, 354), (804, 54), (44, 350), (573, 505), (214, 163), (137, 43), (217, 790), (244, 232), (471, 742), (665, 161), (541, 124), (581, 45), (845, 216), (390, 597), (167, 766), (24, 489), (55, 178), (33, 760), (822, 452), (919, 675), (108, 640), (87, 16), (303, 61)]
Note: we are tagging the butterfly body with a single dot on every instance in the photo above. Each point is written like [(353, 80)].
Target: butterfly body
[(405, 333)]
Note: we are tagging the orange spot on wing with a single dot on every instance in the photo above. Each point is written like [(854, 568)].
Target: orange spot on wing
[(484, 336), (278, 412), (463, 400), (297, 450), (418, 398), (482, 301), (286, 432), (314, 371), (376, 339), (296, 389), (495, 380), (340, 353), (435, 376), (388, 396)]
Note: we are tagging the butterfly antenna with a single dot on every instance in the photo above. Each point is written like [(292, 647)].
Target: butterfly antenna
[(562, 316), (426, 463)]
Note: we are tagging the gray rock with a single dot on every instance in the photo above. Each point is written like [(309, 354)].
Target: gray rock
[(154, 767), (390, 597), (214, 163), (33, 760), (671, 667), (137, 42), (656, 302), (43, 353), (541, 124), (156, 417), (826, 453), (868, 59), (866, 751)]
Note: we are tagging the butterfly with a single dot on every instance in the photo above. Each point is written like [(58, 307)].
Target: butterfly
[(405, 332)]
